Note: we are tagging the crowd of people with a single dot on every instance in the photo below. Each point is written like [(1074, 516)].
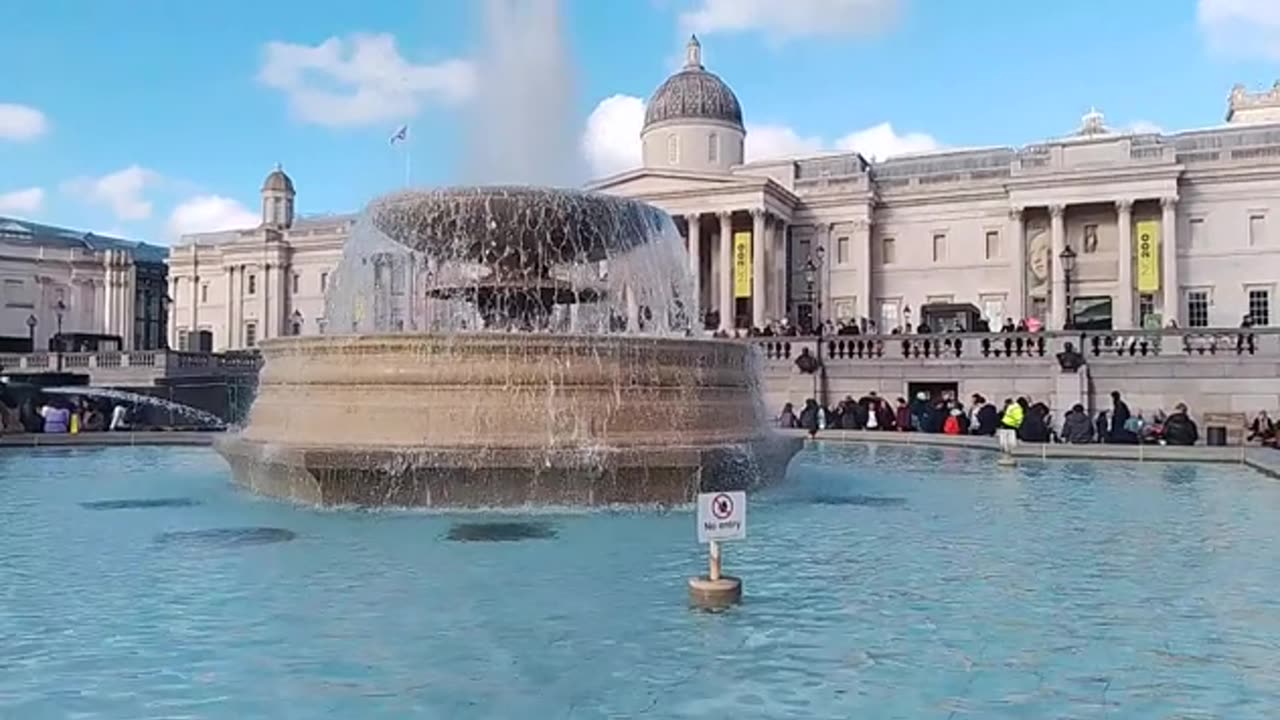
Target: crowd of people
[(60, 415), (1031, 421)]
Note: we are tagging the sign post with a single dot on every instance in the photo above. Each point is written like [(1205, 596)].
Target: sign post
[(722, 516)]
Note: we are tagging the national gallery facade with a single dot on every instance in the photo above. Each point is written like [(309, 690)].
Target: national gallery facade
[(1098, 229)]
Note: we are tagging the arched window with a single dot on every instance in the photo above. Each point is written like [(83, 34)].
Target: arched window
[(713, 147), (673, 149)]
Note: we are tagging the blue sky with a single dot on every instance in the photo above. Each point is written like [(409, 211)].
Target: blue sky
[(147, 117)]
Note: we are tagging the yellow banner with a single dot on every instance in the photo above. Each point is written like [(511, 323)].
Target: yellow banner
[(1148, 248), (742, 264)]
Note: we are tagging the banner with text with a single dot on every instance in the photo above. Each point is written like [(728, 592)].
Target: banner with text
[(1148, 248), (742, 264)]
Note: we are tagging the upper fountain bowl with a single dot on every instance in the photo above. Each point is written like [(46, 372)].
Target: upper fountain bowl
[(513, 227)]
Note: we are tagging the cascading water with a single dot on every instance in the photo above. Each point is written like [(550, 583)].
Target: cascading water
[(201, 417)]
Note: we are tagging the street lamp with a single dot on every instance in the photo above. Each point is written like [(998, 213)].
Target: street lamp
[(165, 303), (812, 268), (61, 308), (1068, 259), (32, 322), (296, 319)]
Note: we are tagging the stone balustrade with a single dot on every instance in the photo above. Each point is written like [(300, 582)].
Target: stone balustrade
[(1120, 345), (141, 367)]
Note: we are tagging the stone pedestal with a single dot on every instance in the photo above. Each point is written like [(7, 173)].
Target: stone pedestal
[(1069, 389)]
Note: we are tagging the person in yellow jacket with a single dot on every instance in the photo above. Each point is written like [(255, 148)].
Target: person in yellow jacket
[(1013, 414)]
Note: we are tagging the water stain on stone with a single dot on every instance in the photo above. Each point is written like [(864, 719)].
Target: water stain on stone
[(142, 504), (226, 537), (859, 500), (500, 532)]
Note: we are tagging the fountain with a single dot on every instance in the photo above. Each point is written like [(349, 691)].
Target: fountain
[(507, 346)]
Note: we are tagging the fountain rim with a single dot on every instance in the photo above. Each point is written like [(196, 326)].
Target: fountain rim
[(494, 337)]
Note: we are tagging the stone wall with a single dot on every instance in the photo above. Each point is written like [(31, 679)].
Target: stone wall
[(1211, 371)]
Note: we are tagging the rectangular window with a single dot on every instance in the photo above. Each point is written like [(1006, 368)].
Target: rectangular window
[(324, 281), (939, 248), (251, 287), (1257, 230), (251, 334), (713, 147), (1260, 307), (184, 339), (888, 252), (297, 282), (889, 316), (993, 310), (842, 251), (993, 245), (16, 294), (1089, 240), (1197, 308), (204, 292), (1195, 233), (1146, 308), (673, 149)]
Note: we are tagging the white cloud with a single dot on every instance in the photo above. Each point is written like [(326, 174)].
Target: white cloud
[(360, 80), (29, 200), (21, 123), (882, 141), (1142, 127), (793, 18), (209, 213), (1241, 27), (121, 191), (765, 142), (611, 142)]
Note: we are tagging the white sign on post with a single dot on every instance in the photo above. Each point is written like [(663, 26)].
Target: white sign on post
[(722, 516)]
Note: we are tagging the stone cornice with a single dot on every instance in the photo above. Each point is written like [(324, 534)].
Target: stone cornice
[(1095, 177)]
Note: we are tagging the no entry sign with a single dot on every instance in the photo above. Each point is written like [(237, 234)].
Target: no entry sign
[(722, 516)]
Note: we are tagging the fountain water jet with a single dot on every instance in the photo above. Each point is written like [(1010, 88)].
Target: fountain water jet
[(508, 346)]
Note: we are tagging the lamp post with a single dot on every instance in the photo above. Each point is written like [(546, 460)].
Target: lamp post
[(61, 308), (812, 280), (32, 322), (1068, 259), (166, 302), (296, 320)]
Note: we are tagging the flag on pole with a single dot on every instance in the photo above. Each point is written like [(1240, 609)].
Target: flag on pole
[(400, 135)]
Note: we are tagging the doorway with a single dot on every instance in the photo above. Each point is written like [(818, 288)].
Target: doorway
[(934, 390)]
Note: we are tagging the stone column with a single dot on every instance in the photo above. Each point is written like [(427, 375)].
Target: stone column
[(1058, 299), (695, 257), (758, 269), (862, 255), (1124, 251), (1169, 256), (779, 310), (231, 317), (264, 292), (1016, 308), (173, 313), (195, 293), (726, 271)]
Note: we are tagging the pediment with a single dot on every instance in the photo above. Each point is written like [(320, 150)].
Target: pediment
[(645, 182)]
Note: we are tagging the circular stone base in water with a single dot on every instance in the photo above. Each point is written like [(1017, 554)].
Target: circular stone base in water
[(708, 594)]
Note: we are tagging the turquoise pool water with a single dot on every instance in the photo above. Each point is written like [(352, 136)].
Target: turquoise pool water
[(881, 583)]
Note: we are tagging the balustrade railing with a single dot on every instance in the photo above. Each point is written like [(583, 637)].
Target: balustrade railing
[(159, 363), (1094, 346)]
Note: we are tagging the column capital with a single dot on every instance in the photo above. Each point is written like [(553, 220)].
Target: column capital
[(1057, 211), (757, 213), (1124, 205), (861, 225), (1169, 202), (1015, 212), (724, 215), (692, 218)]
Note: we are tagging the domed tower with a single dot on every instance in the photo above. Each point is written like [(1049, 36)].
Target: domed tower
[(277, 199), (693, 121)]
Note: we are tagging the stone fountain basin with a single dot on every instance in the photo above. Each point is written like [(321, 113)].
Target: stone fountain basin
[(492, 419)]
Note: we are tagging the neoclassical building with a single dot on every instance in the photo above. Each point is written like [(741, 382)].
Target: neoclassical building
[(1099, 227), (87, 284), (1114, 228), (234, 288)]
